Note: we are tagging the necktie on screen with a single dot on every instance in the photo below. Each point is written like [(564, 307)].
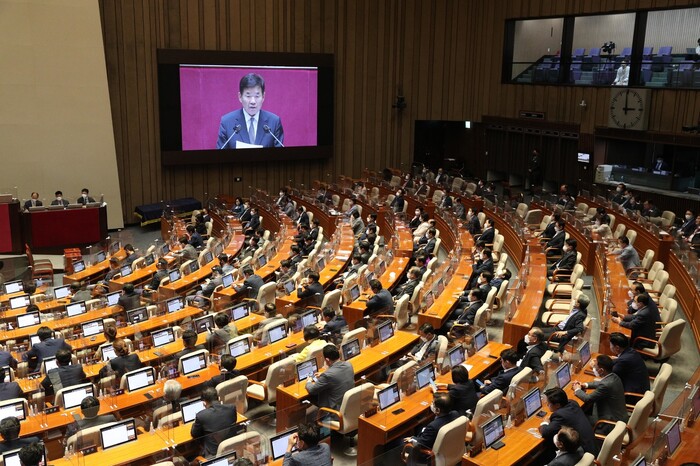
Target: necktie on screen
[(251, 131)]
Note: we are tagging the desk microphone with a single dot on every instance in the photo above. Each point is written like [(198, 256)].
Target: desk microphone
[(236, 130), (268, 130)]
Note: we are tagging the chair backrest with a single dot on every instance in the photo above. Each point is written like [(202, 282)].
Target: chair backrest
[(670, 339), (587, 460), (170, 420), (417, 292), (449, 443), (437, 195), (668, 312), (490, 297), (185, 267), (668, 292), (522, 209), (58, 398), (667, 218), (441, 349), (396, 375), (612, 445), (401, 311), (648, 259), (160, 412), (655, 268), (483, 314), (619, 231), (335, 199), (639, 419), (238, 444), (332, 300), (233, 392), (457, 184), (276, 375), (470, 189), (660, 281), (352, 406), (522, 375), (395, 181), (360, 333), (502, 290), (497, 244), (632, 236), (266, 294), (612, 220), (576, 273), (546, 357), (138, 263), (581, 208), (659, 386), (91, 304), (483, 406)]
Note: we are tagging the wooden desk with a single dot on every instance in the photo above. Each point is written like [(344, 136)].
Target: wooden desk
[(44, 307), (93, 272)]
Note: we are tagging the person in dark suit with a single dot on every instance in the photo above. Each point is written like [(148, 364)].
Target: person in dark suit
[(214, 423), (569, 450), (473, 224), (410, 285), (85, 197), (608, 393), (9, 430), (64, 375), (227, 365), (555, 245), (131, 254), (251, 124), (129, 299), (33, 202), (254, 223), (7, 360), (464, 315), (303, 448), (89, 407), (161, 273), (124, 362), (489, 233), (534, 348), (688, 226), (568, 259), (484, 264), (311, 291), (189, 340), (462, 391), (550, 229), (629, 365), (59, 199), (335, 323), (535, 170), (223, 332), (509, 362), (303, 217), (47, 347), (572, 325), (643, 322), (649, 210), (444, 414), (398, 202), (427, 346), (427, 247), (565, 412), (9, 390), (252, 282), (330, 386), (381, 301)]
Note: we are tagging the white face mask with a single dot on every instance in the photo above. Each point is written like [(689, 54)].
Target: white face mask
[(596, 372), (688, 217), (635, 305), (527, 340), (84, 196), (423, 339), (555, 439), (619, 190), (630, 294), (433, 409), (59, 198)]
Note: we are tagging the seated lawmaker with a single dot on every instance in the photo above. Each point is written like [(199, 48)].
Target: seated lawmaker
[(85, 197), (462, 390), (381, 300), (410, 285), (627, 255), (9, 430), (188, 252), (643, 323), (464, 314), (195, 238), (608, 393), (215, 418), (335, 323), (532, 350), (251, 283), (8, 390), (311, 290), (59, 199), (304, 448), (555, 245), (565, 412), (427, 347), (312, 338), (629, 364), (224, 331), (189, 340), (65, 375), (227, 366), (130, 298), (568, 259), (571, 326), (48, 346), (124, 362), (89, 407), (509, 362), (569, 450), (444, 414), (33, 202)]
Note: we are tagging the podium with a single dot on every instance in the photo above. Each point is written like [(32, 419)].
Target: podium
[(51, 231), (10, 228)]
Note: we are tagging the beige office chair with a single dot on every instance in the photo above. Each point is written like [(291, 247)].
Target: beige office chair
[(658, 388), (332, 300), (160, 412), (438, 195), (645, 264), (233, 392), (401, 312), (587, 460), (558, 309), (360, 333), (266, 294), (277, 373), (538, 229), (669, 342), (500, 298), (581, 209), (483, 407), (649, 275), (658, 285), (522, 376), (619, 231), (612, 445), (240, 444), (667, 312), (170, 420), (185, 267), (632, 236), (564, 289), (345, 420), (669, 292), (234, 340), (522, 210)]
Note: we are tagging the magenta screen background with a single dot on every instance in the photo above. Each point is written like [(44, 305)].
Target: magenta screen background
[(208, 93)]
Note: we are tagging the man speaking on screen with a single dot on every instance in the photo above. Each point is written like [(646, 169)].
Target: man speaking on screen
[(251, 126)]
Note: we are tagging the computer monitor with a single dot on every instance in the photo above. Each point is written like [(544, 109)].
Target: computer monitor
[(240, 311), (440, 287), (163, 337), (227, 280), (193, 362), (33, 340), (424, 375), (149, 259), (262, 260), (583, 157), (78, 266), (532, 401), (190, 409), (308, 318), (429, 299), (108, 352), (224, 460), (76, 309), (306, 369), (165, 249), (20, 301), (563, 375), (695, 400), (115, 247), (585, 353), (118, 434), (175, 304), (29, 319), (125, 270), (100, 257), (194, 266), (11, 458), (113, 298), (481, 339), (641, 461), (278, 443), (354, 292), (385, 331), (15, 286), (456, 356), (61, 292), (673, 436), (208, 257), (203, 324), (289, 287), (141, 378), (140, 314), (388, 396), (381, 268), (50, 363), (493, 431), (350, 349), (239, 347), (94, 327), (277, 333), (13, 410), (174, 275), (72, 397), (321, 263)]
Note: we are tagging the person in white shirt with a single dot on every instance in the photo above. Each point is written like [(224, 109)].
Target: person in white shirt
[(623, 75)]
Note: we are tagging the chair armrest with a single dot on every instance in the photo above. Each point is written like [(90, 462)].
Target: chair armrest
[(557, 301), (329, 411), (604, 421), (642, 351), (385, 316), (561, 273), (553, 313), (637, 396), (262, 384)]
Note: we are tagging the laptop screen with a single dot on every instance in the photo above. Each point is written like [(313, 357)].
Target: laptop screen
[(149, 259), (93, 327), (389, 396), (381, 269), (239, 347), (190, 409), (163, 337), (74, 396), (354, 292), (289, 286), (641, 461), (113, 298), (20, 301), (208, 257), (424, 375), (351, 349), (13, 410), (203, 324), (61, 292), (76, 309), (165, 249), (174, 275), (78, 266), (321, 263), (100, 257), (563, 375), (278, 444), (175, 304), (227, 280), (456, 356), (262, 260), (240, 311), (225, 460), (137, 315), (126, 270), (532, 401), (673, 436), (493, 431), (14, 287), (480, 339), (118, 434), (385, 331), (277, 333), (308, 318), (115, 247), (306, 369), (139, 379), (193, 362), (194, 266), (11, 458), (108, 353), (29, 319), (585, 353)]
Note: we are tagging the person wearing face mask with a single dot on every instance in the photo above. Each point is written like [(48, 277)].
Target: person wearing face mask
[(415, 221), (565, 412), (618, 196), (532, 348), (427, 347), (484, 282), (608, 395), (444, 414), (627, 255), (643, 322), (398, 202), (463, 314), (489, 234), (427, 247), (408, 181), (485, 264), (509, 362), (59, 199), (550, 229), (694, 238), (567, 261), (33, 202), (569, 450), (473, 224), (571, 326), (628, 365), (688, 227), (85, 197), (555, 246), (352, 207), (281, 199), (423, 189)]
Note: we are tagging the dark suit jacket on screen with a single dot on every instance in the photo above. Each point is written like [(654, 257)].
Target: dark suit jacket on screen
[(630, 367), (570, 415), (262, 137), (215, 425)]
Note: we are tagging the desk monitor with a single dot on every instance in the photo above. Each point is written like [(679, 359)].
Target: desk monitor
[(94, 327), (227, 280), (389, 396), (8, 376), (141, 378), (50, 363), (208, 257), (493, 432), (641, 461), (118, 434), (695, 400), (381, 268), (239, 347), (11, 458), (149, 259), (164, 249), (126, 270), (61, 292), (563, 375), (190, 409), (78, 266), (15, 410), (585, 352), (29, 319), (174, 275), (33, 340), (20, 301), (278, 443), (584, 157), (262, 260), (456, 356), (424, 375), (440, 287), (289, 287), (100, 257), (306, 369), (175, 304), (481, 339), (14, 287), (321, 263), (308, 318), (354, 292), (108, 352), (203, 324), (113, 298), (240, 311), (193, 362), (429, 299), (673, 436), (224, 460), (115, 247), (76, 309), (140, 314), (277, 333), (194, 266), (532, 401), (368, 277), (163, 337), (350, 349), (385, 331), (72, 397)]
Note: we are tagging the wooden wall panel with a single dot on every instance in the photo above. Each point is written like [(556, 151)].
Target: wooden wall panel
[(443, 55)]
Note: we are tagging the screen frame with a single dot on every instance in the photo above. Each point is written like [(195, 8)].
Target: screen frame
[(185, 404), (566, 366), (311, 362), (115, 425), (283, 325), (354, 341), (486, 335), (138, 371), (425, 369), (279, 436), (393, 386), (215, 461), (539, 397), (496, 419), (74, 389), (193, 355)]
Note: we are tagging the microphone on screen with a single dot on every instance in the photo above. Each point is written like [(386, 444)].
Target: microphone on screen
[(268, 130), (236, 130)]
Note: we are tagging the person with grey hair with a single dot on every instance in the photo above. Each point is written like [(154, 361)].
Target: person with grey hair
[(532, 348), (571, 326), (171, 393)]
